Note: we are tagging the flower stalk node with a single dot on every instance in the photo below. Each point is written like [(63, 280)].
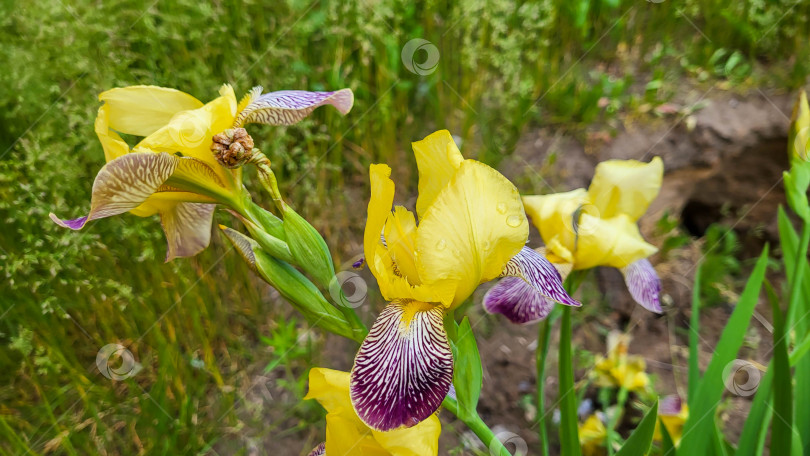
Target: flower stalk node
[(233, 147)]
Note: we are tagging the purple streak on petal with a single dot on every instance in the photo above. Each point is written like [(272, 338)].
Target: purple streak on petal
[(287, 107), (124, 184), (643, 284), (404, 368), (515, 299), (319, 450), (359, 263), (188, 229), (75, 224), (538, 272), (670, 405)]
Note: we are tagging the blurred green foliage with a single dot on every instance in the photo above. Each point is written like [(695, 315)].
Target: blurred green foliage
[(194, 325)]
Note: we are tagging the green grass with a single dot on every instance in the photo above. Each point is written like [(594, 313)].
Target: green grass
[(195, 325)]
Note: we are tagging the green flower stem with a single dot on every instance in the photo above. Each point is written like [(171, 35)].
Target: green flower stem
[(477, 425), (569, 432), (543, 339), (621, 399), (798, 273)]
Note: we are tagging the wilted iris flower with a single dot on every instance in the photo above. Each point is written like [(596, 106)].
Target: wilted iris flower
[(587, 228), (472, 228), (180, 169), (347, 434)]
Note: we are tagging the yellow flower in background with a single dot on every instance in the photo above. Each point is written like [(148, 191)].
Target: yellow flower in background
[(619, 369), (673, 412), (346, 434), (471, 228), (592, 436), (598, 226)]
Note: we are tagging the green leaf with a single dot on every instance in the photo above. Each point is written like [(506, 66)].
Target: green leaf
[(708, 394), (640, 440), (755, 429), (569, 433), (694, 336), (468, 374), (781, 431)]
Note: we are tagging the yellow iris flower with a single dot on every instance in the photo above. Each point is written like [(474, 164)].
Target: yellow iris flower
[(592, 436), (673, 412), (598, 226), (472, 228), (619, 369), (346, 434)]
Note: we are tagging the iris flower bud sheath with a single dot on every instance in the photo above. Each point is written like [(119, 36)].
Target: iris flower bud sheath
[(293, 286)]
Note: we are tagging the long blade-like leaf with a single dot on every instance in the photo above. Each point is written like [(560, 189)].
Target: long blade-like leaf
[(640, 440), (782, 429), (708, 394), (569, 434)]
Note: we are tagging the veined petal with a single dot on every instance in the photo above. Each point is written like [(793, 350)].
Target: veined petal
[(515, 299), (288, 107), (625, 187), (188, 229), (472, 229), (141, 110), (643, 283), (319, 450), (670, 405), (111, 142), (404, 367), (554, 216), (614, 242), (537, 271), (438, 159), (123, 184)]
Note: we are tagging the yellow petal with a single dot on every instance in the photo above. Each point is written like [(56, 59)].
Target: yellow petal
[(379, 206), (379, 259), (330, 388), (188, 229), (191, 132), (614, 242), (141, 110), (343, 436), (473, 228), (400, 236), (625, 187), (553, 215), (437, 158), (419, 440), (111, 142)]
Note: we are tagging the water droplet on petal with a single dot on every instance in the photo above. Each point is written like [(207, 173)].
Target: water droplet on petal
[(514, 220), (501, 208), (441, 244)]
